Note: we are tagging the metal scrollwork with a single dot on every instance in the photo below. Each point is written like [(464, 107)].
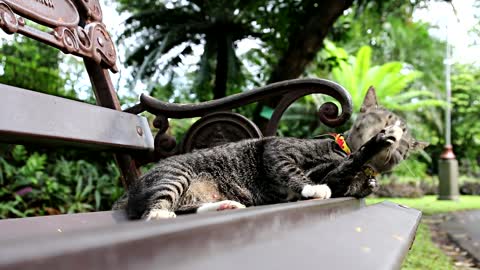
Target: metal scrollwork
[(218, 126), (91, 9), (85, 42), (103, 50), (69, 39), (8, 20), (46, 12), (165, 145), (211, 130), (92, 41)]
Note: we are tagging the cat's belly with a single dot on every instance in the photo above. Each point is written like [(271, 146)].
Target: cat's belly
[(202, 192)]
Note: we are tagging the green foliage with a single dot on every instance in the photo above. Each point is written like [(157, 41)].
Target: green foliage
[(300, 120), (166, 34), (465, 112), (32, 184), (425, 254), (388, 28), (31, 65), (168, 31), (430, 205), (412, 168), (391, 80)]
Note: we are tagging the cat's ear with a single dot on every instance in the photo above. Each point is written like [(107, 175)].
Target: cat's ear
[(370, 100), (417, 146)]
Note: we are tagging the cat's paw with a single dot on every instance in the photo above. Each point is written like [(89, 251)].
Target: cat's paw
[(316, 192), (391, 134), (372, 183), (156, 214), (219, 206)]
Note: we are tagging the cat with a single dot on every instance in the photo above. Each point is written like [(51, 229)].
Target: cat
[(274, 169), (373, 120)]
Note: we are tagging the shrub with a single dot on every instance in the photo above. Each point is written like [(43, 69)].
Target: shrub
[(47, 183)]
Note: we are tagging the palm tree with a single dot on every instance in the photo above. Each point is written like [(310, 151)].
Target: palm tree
[(165, 33)]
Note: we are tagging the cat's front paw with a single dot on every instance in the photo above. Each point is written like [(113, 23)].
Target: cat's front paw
[(156, 214), (316, 192), (372, 183), (390, 135)]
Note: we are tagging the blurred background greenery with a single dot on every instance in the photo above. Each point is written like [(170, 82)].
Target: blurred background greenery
[(193, 50)]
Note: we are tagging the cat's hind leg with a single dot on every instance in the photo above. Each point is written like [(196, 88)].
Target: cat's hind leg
[(156, 195), (160, 209)]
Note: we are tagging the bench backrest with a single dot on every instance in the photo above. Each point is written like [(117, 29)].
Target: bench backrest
[(31, 117)]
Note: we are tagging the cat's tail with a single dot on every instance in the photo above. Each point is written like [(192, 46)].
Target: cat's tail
[(157, 190)]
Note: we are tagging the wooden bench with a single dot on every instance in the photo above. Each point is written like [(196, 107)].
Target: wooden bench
[(332, 234)]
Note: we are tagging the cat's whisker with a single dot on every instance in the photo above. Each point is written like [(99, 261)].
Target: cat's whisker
[(389, 157), (410, 170)]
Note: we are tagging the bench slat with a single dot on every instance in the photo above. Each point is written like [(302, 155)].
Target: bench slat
[(32, 117), (332, 234), (18, 228)]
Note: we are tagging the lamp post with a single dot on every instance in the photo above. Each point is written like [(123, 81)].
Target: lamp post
[(448, 164)]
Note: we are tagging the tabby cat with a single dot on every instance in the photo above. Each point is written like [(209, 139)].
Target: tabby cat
[(274, 170)]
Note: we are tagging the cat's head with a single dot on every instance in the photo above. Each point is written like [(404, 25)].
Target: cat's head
[(373, 119)]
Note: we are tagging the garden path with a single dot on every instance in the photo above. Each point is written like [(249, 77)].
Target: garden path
[(463, 228)]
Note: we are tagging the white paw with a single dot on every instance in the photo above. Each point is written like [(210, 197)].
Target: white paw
[(219, 206), (316, 191), (156, 214), (372, 183)]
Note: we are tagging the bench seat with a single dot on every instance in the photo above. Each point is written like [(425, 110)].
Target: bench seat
[(338, 233)]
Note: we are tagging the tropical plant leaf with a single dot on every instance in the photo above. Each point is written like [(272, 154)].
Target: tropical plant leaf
[(362, 66)]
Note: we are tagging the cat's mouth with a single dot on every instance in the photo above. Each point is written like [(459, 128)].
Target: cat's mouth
[(392, 133), (391, 139)]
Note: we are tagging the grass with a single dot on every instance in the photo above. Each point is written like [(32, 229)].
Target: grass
[(424, 254), (429, 205)]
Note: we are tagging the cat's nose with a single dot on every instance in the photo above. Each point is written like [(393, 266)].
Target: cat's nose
[(393, 133)]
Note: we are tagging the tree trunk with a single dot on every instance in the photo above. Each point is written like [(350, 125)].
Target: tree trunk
[(221, 69), (304, 43)]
